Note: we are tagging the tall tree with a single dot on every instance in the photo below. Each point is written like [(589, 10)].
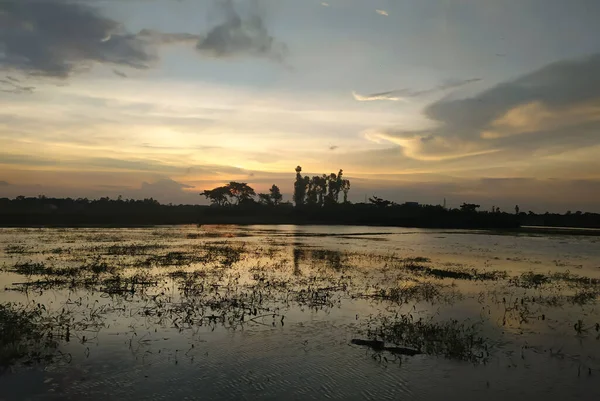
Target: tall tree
[(346, 189), (275, 195), (321, 188), (300, 188), (311, 192)]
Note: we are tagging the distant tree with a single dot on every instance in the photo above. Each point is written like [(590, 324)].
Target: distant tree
[(320, 190), (273, 198), (320, 187), (469, 207), (379, 202), (265, 199), (334, 186), (218, 196), (312, 191), (240, 191), (517, 209), (345, 189), (275, 195), (299, 188)]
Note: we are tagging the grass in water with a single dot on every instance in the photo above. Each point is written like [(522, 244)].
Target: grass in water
[(451, 339)]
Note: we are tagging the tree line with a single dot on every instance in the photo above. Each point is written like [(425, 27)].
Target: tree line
[(318, 190)]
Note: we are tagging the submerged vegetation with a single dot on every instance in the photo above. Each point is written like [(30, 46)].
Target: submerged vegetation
[(197, 279), (451, 339), (27, 333)]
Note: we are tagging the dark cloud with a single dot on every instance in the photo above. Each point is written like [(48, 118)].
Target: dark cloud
[(4, 184), (556, 85), (56, 37), (157, 37), (406, 93), (240, 35), (21, 160), (12, 85), (119, 73), (551, 110), (333, 147)]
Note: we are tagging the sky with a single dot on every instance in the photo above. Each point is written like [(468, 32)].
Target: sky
[(483, 101)]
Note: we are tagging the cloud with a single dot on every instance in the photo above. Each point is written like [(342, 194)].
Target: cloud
[(119, 73), (240, 35), (56, 37), (158, 37), (12, 85), (405, 94), (163, 187), (325, 4), (546, 112), (4, 184), (382, 12), (391, 95), (333, 147)]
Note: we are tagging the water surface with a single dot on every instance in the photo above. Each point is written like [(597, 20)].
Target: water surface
[(269, 312)]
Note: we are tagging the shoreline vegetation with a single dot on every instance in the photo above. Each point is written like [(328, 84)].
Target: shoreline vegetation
[(125, 213), (318, 200)]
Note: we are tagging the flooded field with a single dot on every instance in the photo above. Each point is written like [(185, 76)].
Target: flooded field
[(286, 312)]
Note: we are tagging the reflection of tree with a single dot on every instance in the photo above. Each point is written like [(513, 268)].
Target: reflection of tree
[(298, 254), (331, 258)]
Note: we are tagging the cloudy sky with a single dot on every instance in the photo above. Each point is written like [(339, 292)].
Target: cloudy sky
[(487, 101)]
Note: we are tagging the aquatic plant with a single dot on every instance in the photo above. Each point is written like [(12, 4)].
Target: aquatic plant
[(451, 339)]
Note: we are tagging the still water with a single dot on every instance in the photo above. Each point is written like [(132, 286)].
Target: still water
[(270, 312)]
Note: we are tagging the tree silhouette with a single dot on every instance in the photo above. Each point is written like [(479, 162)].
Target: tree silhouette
[(218, 196), (311, 192), (238, 191), (241, 191), (273, 198), (345, 188), (299, 188), (275, 195), (469, 207), (320, 190), (379, 202), (265, 199)]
